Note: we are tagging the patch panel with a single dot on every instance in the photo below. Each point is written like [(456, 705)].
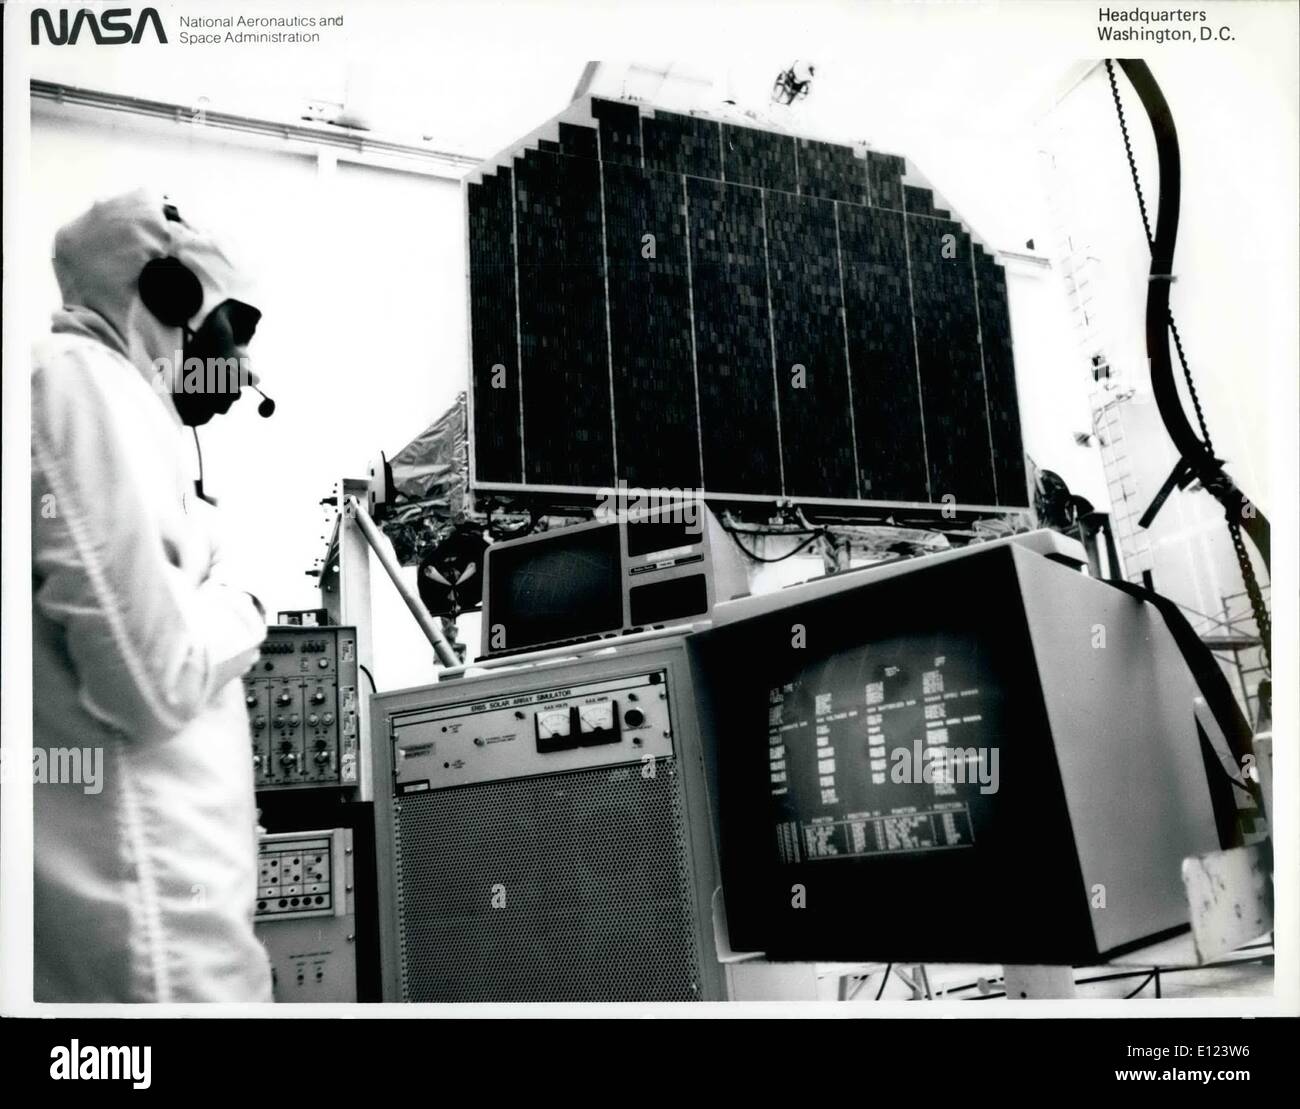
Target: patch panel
[(295, 876), (305, 914)]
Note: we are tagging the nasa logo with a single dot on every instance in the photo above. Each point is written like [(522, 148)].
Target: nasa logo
[(112, 28)]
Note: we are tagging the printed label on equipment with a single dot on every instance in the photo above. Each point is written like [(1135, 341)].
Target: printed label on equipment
[(663, 563)]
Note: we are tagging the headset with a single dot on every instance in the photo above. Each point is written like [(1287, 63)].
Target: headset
[(173, 294)]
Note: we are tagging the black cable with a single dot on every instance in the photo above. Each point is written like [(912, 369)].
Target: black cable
[(198, 450), (971, 986), (1141, 986), (1130, 974), (1219, 699), (780, 558), (1263, 620), (1134, 973), (1128, 150), (889, 969), (373, 688), (1146, 227)]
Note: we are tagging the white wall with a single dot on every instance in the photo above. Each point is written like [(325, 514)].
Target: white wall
[(362, 342), (1051, 388)]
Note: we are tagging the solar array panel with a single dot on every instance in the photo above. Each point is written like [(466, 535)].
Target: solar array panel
[(675, 302)]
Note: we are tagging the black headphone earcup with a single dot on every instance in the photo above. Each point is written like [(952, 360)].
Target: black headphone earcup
[(169, 289)]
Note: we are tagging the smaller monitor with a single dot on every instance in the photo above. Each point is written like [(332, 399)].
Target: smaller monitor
[(656, 567), (562, 585)]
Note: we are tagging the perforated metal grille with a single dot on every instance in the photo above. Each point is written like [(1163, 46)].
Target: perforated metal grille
[(574, 887)]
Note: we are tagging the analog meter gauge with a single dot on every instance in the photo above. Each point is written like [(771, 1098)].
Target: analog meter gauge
[(553, 723), (596, 718)]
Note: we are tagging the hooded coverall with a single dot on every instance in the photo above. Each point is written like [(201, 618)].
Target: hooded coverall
[(144, 887)]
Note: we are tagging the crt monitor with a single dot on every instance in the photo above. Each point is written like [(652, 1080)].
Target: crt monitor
[(982, 756), (560, 585)]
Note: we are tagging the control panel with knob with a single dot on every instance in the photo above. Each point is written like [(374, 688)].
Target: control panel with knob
[(302, 698), (609, 722)]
